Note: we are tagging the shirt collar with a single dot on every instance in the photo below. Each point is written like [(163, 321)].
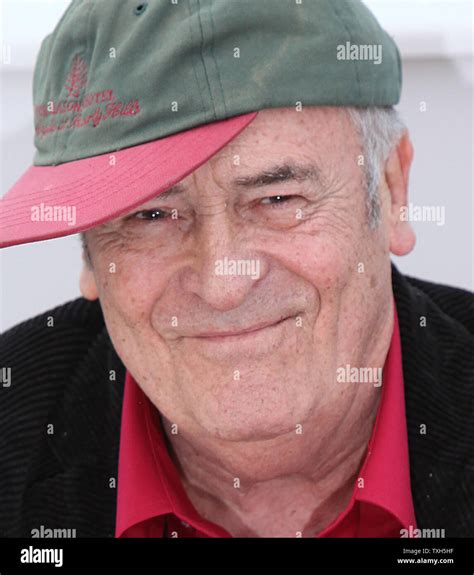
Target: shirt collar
[(386, 470), (149, 485)]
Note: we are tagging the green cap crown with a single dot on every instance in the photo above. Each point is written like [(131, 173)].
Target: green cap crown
[(119, 73)]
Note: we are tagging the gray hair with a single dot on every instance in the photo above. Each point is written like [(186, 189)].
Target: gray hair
[(379, 130)]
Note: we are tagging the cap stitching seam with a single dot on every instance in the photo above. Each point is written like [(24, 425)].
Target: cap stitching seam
[(202, 59), (341, 20), (213, 57), (196, 77), (69, 133)]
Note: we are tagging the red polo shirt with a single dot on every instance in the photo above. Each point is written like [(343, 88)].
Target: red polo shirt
[(151, 500)]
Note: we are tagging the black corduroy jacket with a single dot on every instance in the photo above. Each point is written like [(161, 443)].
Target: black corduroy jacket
[(60, 416)]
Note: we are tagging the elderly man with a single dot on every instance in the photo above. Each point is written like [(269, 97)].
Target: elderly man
[(245, 360)]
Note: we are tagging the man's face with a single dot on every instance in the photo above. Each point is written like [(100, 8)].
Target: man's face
[(270, 235)]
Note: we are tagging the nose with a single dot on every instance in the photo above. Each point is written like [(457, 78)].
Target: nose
[(224, 270)]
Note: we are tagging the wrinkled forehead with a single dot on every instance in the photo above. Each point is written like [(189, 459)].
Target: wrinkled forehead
[(280, 125), (286, 136)]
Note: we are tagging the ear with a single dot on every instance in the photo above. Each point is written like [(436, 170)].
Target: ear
[(397, 170), (87, 283)]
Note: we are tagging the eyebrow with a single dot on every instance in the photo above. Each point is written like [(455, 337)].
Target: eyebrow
[(286, 172), (279, 174)]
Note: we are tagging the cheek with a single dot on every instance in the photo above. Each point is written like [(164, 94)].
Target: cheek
[(331, 264), (325, 250), (323, 263), (128, 288)]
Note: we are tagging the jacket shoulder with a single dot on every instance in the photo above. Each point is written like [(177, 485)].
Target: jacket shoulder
[(454, 302), (41, 351), (436, 329), (38, 358)]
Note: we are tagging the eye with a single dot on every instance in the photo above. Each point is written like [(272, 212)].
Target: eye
[(151, 215), (277, 201)]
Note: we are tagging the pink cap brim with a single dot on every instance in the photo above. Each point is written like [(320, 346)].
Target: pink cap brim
[(100, 191)]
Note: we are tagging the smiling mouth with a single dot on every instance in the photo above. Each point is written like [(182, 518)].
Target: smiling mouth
[(229, 334)]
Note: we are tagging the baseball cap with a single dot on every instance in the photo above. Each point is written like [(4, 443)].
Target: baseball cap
[(130, 97)]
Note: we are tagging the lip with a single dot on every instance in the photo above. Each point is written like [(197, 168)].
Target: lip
[(229, 334)]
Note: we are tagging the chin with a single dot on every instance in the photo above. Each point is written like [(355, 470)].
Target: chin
[(248, 425)]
